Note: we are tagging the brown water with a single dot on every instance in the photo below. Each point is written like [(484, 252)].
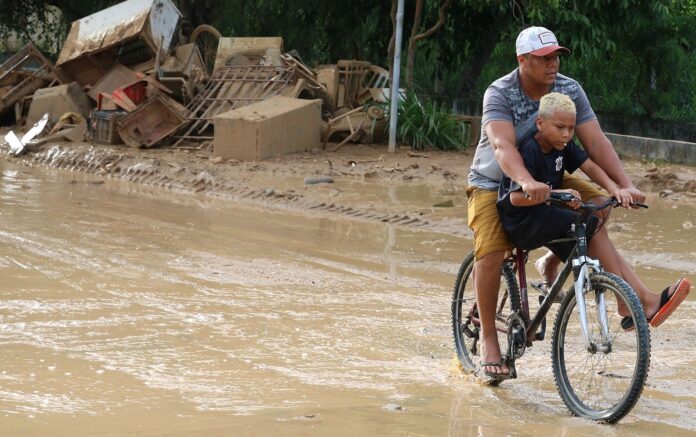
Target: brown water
[(137, 311)]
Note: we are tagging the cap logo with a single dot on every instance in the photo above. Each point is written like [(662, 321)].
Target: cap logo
[(547, 38)]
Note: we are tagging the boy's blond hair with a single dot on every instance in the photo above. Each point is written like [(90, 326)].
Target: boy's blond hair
[(552, 102)]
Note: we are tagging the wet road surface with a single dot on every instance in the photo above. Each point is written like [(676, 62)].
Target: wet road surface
[(132, 310)]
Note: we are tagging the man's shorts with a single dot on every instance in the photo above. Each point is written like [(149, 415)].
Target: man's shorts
[(483, 219)]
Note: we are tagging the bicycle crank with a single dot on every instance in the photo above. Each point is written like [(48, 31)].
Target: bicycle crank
[(517, 336)]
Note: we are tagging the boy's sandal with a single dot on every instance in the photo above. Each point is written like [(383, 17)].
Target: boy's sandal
[(495, 375), (667, 305), (543, 287)]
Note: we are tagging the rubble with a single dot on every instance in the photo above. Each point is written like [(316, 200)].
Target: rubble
[(272, 127), (133, 78), (151, 122), (129, 33), (251, 75), (22, 74), (58, 100)]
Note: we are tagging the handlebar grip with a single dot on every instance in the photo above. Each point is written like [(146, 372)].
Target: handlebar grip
[(563, 197)]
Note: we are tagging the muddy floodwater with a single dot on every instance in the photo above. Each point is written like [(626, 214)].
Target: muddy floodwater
[(138, 311)]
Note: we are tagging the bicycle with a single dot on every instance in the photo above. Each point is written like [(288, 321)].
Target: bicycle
[(599, 368)]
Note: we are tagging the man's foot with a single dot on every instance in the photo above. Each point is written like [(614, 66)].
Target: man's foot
[(492, 364), (670, 299), (547, 266), (500, 373)]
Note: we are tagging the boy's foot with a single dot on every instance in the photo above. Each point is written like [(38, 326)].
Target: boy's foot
[(543, 287), (670, 300)]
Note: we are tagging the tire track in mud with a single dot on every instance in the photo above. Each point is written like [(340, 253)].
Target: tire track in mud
[(202, 179)]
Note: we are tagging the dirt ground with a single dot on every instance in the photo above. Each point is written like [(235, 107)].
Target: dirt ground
[(356, 180)]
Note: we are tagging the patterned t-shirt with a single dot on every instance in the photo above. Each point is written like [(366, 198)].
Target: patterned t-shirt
[(505, 100)]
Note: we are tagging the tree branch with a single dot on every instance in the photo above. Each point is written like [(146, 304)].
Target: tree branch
[(440, 21)]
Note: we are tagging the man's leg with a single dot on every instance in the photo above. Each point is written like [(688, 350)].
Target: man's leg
[(490, 245), (603, 249), (487, 284)]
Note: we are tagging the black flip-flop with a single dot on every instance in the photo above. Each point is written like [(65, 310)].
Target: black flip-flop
[(495, 375)]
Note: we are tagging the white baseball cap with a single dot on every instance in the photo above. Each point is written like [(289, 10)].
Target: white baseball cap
[(538, 41)]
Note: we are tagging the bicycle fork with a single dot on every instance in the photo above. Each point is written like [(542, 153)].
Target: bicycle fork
[(584, 266)]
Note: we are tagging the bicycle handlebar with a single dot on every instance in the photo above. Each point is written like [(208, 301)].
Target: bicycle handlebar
[(563, 198)]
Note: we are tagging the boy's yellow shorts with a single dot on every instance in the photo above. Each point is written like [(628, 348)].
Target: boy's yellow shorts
[(489, 235)]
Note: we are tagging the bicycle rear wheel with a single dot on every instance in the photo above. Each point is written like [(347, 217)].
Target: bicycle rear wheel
[(465, 324), (602, 386)]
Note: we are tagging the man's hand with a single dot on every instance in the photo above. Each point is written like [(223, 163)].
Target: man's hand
[(624, 196), (536, 191), (637, 196)]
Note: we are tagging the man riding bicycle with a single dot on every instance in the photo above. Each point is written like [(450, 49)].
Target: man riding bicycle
[(510, 105)]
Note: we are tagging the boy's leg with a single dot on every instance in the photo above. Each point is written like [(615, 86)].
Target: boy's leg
[(547, 265), (490, 245)]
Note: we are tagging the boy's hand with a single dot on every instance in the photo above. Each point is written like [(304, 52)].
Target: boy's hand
[(624, 196), (575, 204)]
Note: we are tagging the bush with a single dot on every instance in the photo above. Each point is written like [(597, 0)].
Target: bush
[(423, 125)]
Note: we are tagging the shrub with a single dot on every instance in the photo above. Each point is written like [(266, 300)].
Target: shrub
[(424, 125)]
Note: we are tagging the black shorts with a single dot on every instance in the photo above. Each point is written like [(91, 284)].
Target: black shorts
[(551, 223)]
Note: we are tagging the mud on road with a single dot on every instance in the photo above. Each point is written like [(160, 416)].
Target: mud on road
[(416, 190)]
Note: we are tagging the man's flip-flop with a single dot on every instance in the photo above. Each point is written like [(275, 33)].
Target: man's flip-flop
[(495, 375), (667, 305)]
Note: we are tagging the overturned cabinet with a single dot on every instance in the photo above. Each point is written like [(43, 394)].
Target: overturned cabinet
[(268, 128), (130, 33)]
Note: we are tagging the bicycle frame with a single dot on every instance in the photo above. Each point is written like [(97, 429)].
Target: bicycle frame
[(582, 265)]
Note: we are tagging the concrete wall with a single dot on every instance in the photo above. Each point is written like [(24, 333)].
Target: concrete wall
[(676, 152)]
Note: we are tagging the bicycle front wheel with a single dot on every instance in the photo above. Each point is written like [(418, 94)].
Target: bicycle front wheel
[(604, 381)]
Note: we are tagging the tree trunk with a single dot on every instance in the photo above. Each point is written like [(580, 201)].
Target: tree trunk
[(415, 36), (392, 41)]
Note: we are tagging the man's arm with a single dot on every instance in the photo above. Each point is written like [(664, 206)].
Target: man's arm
[(598, 146), (599, 176), (502, 137)]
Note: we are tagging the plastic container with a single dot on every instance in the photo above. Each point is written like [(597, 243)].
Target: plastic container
[(102, 126)]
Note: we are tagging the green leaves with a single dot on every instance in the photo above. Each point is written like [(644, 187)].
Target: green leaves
[(423, 125)]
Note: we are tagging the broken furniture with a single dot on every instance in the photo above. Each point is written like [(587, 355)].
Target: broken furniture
[(58, 100), (183, 72), (21, 75), (272, 127), (129, 33), (355, 79), (366, 122), (116, 77), (249, 47), (151, 122), (246, 79), (103, 128), (474, 130)]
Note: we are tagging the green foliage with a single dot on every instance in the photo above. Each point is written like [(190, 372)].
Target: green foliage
[(424, 125), (632, 56)]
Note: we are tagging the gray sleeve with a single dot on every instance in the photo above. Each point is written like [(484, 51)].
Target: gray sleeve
[(583, 108), (495, 107)]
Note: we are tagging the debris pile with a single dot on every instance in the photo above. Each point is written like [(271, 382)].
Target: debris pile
[(126, 75)]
